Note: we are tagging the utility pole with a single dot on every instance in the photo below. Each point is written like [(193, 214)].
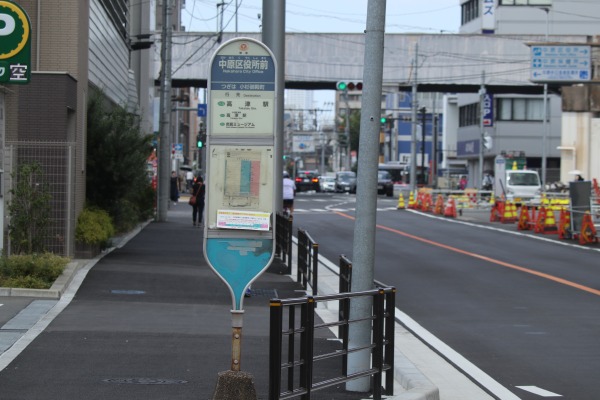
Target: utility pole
[(482, 92), (434, 147), (423, 111), (164, 144), (366, 199), (273, 36), (546, 124), (413, 136)]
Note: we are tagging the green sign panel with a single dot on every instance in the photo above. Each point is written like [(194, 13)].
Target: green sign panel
[(15, 44)]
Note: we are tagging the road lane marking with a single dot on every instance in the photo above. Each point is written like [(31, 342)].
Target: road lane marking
[(539, 391), (488, 259)]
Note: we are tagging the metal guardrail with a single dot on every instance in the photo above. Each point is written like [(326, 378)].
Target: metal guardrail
[(283, 240), (301, 384), (308, 261)]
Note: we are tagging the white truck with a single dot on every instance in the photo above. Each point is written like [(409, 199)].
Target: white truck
[(516, 185)]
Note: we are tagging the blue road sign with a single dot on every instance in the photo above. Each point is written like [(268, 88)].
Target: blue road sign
[(560, 63), (202, 110)]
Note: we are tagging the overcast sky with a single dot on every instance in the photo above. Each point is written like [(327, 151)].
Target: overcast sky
[(345, 16)]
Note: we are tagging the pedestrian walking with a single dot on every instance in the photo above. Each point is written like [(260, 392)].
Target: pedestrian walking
[(289, 190), (174, 187), (198, 193)]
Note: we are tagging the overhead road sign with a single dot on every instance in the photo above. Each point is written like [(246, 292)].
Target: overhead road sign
[(560, 63)]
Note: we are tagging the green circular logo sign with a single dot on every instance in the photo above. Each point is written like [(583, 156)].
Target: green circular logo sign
[(14, 29)]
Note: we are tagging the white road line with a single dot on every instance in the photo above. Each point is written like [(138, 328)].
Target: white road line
[(455, 358), (539, 391)]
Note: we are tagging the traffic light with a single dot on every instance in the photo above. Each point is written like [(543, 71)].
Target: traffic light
[(344, 85), (383, 120), (199, 141)]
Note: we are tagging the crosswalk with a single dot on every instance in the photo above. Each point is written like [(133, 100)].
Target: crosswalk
[(341, 204)]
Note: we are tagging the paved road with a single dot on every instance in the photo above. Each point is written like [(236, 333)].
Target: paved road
[(523, 310)]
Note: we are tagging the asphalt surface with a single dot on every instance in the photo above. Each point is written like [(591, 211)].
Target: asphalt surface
[(146, 320)]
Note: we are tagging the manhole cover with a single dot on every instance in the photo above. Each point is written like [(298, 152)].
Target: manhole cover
[(127, 292), (270, 293), (145, 381)]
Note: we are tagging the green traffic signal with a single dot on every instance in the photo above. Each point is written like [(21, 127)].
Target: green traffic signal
[(341, 86), (199, 141), (383, 120)]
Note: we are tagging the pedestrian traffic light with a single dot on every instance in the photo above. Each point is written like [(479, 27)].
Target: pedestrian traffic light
[(199, 141), (344, 85)]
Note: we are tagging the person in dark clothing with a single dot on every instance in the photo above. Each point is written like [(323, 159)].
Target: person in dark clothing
[(198, 191), (174, 187)]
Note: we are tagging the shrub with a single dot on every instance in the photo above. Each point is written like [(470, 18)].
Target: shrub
[(29, 210), (94, 226), (34, 271)]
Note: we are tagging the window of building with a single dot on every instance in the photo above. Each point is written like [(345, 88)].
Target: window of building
[(469, 115), (469, 11), (525, 2), (520, 109)]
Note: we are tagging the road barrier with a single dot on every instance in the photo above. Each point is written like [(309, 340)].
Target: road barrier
[(283, 240), (300, 366), (308, 260)]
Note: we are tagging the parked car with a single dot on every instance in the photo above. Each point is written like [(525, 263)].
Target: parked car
[(345, 181), (307, 180), (385, 184), (327, 183)]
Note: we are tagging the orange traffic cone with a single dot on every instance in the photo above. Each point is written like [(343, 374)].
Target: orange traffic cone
[(510, 213), (439, 205), (450, 209), (545, 222), (588, 230), (523, 222), (564, 224)]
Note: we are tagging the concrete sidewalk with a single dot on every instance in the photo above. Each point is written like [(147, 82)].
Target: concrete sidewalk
[(160, 267)]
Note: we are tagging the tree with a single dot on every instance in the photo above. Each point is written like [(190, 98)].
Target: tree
[(117, 153), (29, 210)]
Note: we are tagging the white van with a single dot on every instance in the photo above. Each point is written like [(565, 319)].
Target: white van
[(523, 186)]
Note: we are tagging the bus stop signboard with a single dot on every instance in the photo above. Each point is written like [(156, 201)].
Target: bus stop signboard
[(239, 231)]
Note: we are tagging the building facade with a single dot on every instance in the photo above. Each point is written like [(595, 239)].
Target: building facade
[(77, 46)]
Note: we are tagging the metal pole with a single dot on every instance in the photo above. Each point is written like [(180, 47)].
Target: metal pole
[(347, 131), (481, 132), (164, 145), (273, 35), (237, 318), (423, 142), (366, 200), (413, 136), (546, 124)]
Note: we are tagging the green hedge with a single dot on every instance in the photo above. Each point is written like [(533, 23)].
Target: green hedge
[(34, 271), (94, 226)]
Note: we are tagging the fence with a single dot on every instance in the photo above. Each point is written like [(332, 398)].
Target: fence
[(57, 161), (308, 260), (283, 240), (300, 368)]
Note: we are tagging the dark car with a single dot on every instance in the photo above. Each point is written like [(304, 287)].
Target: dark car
[(345, 182), (307, 180), (385, 184)]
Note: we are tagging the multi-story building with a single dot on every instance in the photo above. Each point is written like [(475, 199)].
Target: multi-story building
[(76, 47), (518, 122)]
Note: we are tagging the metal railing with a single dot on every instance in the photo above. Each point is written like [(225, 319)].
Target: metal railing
[(300, 366), (345, 287), (283, 240), (308, 261)]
